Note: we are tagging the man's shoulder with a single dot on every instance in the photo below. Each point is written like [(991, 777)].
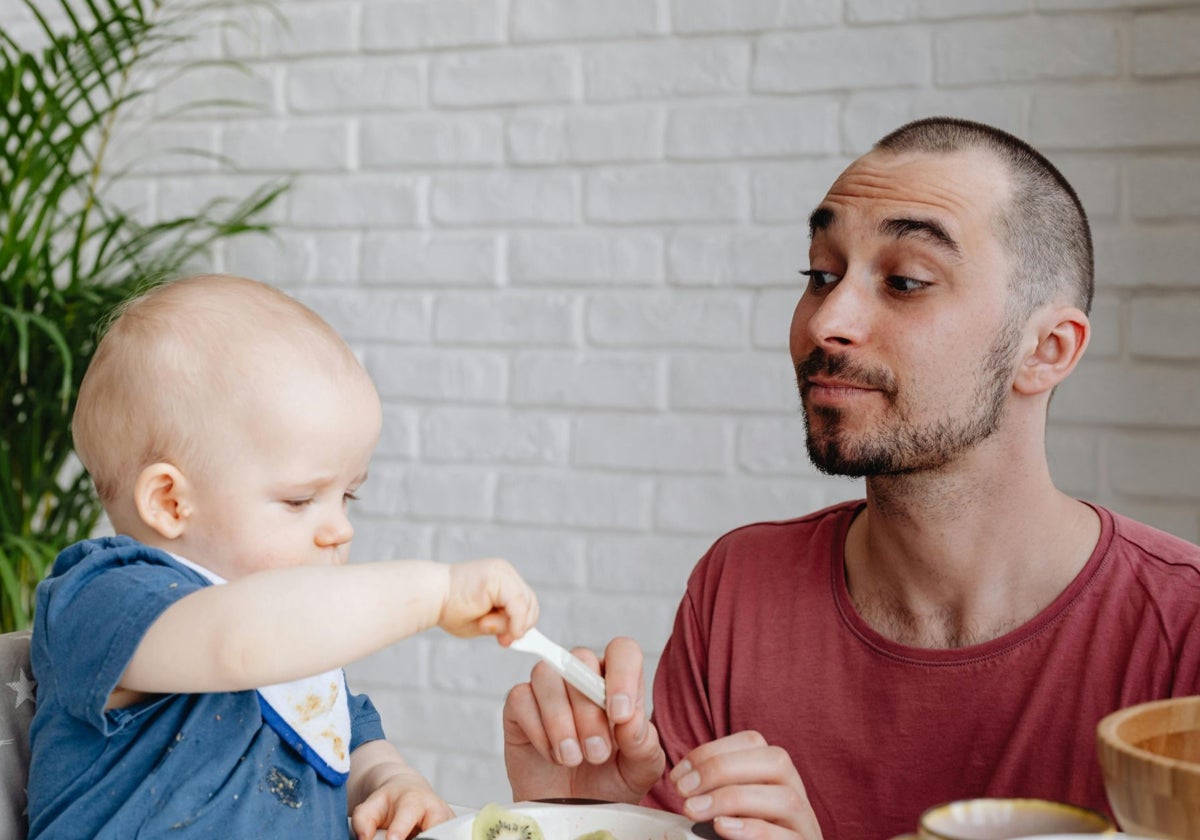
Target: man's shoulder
[(1153, 544)]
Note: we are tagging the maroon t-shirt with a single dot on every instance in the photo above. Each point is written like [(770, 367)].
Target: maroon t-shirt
[(767, 638)]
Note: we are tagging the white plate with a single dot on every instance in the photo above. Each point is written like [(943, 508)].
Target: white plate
[(562, 821)]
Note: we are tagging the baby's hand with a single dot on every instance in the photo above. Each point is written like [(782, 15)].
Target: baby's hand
[(403, 805), (488, 597)]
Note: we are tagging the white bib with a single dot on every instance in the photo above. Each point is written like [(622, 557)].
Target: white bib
[(311, 715)]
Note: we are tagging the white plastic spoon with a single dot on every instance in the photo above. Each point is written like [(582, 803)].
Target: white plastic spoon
[(561, 660)]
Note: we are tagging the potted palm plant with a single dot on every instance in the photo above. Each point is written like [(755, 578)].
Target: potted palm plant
[(69, 252)]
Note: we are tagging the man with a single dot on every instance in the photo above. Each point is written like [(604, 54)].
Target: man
[(959, 632)]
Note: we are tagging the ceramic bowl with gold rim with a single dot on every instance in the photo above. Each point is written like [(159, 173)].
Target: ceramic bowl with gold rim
[(1000, 819)]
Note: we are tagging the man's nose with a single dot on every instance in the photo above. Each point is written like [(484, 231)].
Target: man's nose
[(841, 316)]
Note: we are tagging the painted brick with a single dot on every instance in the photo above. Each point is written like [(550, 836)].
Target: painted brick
[(406, 373), (869, 115), (650, 564), (1165, 328), (1093, 5), (342, 201), (165, 148), (505, 198), (430, 259), (404, 665), (841, 59), (340, 85), (1156, 466), (1115, 118), (307, 29), (445, 492), (1177, 518), (771, 128), (658, 319), (771, 320), (512, 318), (1148, 257), (713, 506), (578, 500), (1166, 44), (492, 435), (387, 538), (665, 194), (612, 134), (419, 718), (585, 256), (1026, 50), (732, 382), (1096, 181), (284, 146), (544, 558), (441, 140), (883, 11), (651, 444), (789, 193), (1074, 457), (596, 619), (665, 68), (576, 20), (699, 16), (1123, 394), (748, 257), (591, 380), (374, 315), (398, 440), (176, 197), (429, 24), (295, 257), (1165, 188), (508, 77), (1106, 319), (774, 446)]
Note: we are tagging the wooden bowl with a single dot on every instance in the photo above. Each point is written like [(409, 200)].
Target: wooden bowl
[(1150, 755)]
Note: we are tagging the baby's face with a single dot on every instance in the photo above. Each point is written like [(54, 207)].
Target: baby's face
[(277, 489)]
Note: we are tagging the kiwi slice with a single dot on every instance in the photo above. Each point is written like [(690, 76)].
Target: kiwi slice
[(494, 823), (598, 834)]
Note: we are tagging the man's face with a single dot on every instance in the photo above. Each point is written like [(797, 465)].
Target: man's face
[(903, 351)]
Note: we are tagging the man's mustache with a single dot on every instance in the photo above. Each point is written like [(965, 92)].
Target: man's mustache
[(842, 368)]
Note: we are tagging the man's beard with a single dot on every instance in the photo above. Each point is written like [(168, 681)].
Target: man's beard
[(904, 447)]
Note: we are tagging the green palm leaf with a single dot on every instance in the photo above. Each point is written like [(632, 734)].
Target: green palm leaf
[(68, 254)]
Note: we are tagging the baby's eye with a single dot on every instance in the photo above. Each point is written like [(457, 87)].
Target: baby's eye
[(905, 284), (350, 496), (818, 280), (297, 503)]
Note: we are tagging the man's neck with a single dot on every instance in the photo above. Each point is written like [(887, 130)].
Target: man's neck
[(965, 555)]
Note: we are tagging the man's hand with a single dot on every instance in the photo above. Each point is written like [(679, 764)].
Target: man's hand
[(557, 743), (749, 789)]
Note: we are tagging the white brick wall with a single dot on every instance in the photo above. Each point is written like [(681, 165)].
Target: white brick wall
[(564, 236)]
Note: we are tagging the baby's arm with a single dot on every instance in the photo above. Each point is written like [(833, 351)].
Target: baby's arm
[(283, 624), (386, 793)]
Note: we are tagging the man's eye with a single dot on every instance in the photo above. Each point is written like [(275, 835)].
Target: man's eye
[(905, 284), (818, 280)]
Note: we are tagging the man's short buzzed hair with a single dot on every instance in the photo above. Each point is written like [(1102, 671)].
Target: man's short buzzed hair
[(1043, 227)]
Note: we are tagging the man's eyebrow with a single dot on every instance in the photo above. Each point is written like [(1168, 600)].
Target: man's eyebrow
[(820, 219), (926, 229)]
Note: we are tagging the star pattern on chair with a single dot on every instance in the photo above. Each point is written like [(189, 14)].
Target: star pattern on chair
[(23, 687)]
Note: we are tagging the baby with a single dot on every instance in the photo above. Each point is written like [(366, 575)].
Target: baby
[(189, 669)]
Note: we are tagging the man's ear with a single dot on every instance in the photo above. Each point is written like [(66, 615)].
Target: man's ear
[(161, 495), (1061, 334)]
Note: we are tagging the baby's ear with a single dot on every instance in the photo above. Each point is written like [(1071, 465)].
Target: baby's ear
[(1061, 336), (161, 496)]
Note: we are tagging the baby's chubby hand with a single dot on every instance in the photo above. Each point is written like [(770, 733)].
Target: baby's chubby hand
[(487, 597)]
